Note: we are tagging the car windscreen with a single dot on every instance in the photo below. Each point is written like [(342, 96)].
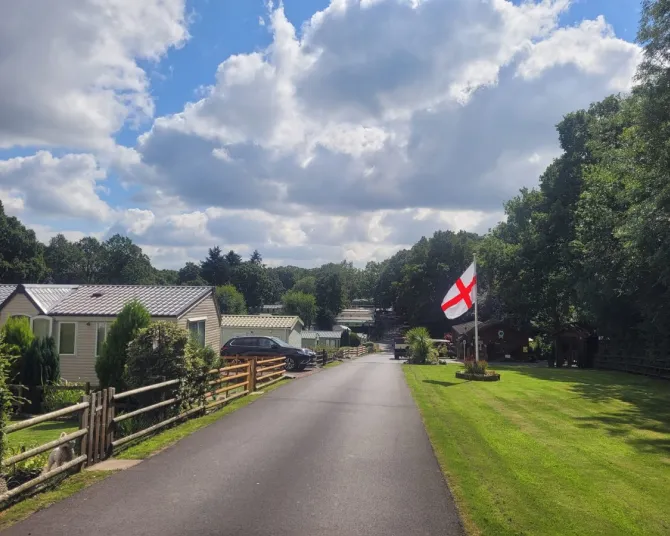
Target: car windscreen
[(280, 342)]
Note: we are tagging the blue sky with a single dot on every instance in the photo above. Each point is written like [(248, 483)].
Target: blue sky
[(379, 124)]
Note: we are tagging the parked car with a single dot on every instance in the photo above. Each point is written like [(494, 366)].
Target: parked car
[(296, 358), (400, 347)]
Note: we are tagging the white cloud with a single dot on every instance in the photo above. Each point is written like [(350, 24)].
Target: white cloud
[(69, 74), (380, 121), (60, 187)]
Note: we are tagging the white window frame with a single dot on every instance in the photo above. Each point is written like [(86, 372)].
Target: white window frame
[(43, 317), (97, 328), (76, 332), (202, 319)]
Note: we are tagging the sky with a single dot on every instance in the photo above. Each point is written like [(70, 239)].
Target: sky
[(311, 130)]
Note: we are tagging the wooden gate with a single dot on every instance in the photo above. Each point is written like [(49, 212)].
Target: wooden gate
[(100, 417)]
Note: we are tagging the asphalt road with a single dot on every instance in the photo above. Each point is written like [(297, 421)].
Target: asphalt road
[(342, 452)]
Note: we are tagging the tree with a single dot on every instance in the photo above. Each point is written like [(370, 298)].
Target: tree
[(166, 277), (190, 275), (421, 348), (306, 284), (256, 257), (21, 255), (64, 260), (230, 300), (300, 304), (233, 259), (110, 365), (124, 263), (329, 298), (17, 337), (92, 261), (252, 281), (215, 269)]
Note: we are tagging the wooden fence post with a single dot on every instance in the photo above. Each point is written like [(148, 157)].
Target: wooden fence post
[(91, 428), (103, 424), (324, 357), (83, 425), (111, 413), (252, 375)]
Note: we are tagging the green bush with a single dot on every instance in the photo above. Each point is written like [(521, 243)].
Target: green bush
[(55, 399), (231, 301), (476, 367), (422, 351), (40, 364), (111, 364), (443, 350), (5, 395), (17, 340)]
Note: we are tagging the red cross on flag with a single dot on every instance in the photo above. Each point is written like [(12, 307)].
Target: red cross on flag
[(462, 295)]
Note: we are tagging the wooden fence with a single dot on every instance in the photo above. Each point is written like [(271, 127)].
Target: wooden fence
[(101, 413), (349, 353)]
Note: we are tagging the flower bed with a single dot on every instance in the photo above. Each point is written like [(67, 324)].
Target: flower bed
[(490, 376)]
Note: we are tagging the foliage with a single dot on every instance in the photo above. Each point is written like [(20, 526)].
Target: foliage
[(55, 399), (253, 282), (476, 367), (301, 304), (230, 300), (40, 364), (443, 350), (350, 339), (17, 337), (164, 351), (306, 285), (329, 298), (21, 255), (422, 351), (110, 365), (215, 268), (5, 395)]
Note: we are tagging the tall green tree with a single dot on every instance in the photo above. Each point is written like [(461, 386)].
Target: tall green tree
[(233, 259), (124, 263), (306, 284), (190, 275), (110, 365), (64, 260), (329, 298), (231, 301), (21, 255), (252, 281), (215, 268), (300, 304)]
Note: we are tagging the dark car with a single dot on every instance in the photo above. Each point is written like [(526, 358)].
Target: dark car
[(296, 358), (400, 347)]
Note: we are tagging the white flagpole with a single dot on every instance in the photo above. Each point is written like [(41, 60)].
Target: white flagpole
[(476, 320)]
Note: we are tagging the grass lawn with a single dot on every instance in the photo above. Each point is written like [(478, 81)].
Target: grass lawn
[(549, 451), (39, 434), (332, 364)]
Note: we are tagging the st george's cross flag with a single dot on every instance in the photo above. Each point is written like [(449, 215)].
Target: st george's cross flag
[(462, 295)]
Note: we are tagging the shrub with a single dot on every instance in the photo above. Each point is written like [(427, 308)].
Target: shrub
[(231, 301), (476, 367), (443, 350), (110, 365), (5, 394), (40, 363), (421, 348), (55, 399), (17, 340)]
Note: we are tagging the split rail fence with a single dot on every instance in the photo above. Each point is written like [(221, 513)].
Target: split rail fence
[(104, 415)]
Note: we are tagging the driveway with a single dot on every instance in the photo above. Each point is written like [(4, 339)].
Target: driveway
[(342, 452)]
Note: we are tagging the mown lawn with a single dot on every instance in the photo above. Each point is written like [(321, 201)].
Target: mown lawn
[(547, 451), (39, 434)]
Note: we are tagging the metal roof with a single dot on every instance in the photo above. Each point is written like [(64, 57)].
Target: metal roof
[(257, 321), (108, 300), (322, 334), (47, 296), (6, 292)]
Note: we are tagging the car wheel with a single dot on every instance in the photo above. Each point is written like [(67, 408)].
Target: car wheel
[(290, 364)]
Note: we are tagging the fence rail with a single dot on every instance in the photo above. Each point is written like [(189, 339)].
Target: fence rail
[(101, 413)]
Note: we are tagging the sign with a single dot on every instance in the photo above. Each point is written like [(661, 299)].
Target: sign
[(501, 334)]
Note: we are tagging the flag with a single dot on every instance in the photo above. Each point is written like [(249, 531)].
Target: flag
[(462, 295)]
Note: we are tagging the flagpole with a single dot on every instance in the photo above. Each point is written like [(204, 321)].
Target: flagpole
[(476, 320)]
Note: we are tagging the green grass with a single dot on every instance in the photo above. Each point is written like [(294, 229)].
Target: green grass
[(169, 437), (332, 364), (551, 452), (68, 487), (40, 433)]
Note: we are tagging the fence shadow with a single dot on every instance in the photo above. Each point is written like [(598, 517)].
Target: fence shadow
[(441, 383), (647, 404)]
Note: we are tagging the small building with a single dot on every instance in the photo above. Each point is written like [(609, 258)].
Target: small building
[(79, 316), (498, 339), (328, 339), (275, 309), (286, 328), (574, 344)]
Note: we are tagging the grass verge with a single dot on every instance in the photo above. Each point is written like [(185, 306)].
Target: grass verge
[(163, 440), (332, 364), (33, 504), (551, 451)]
